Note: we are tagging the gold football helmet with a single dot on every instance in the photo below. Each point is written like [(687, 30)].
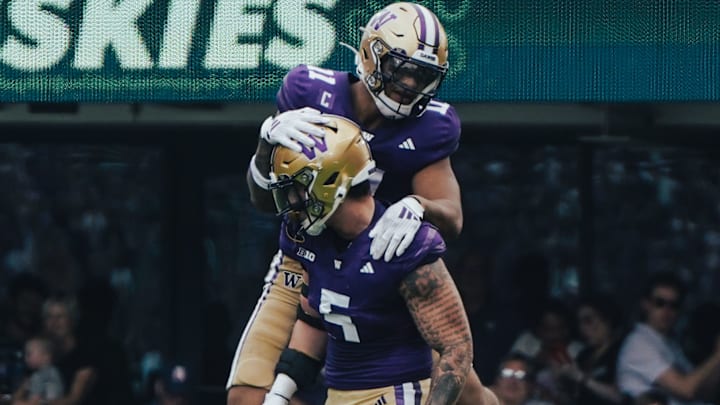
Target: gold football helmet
[(312, 183), (403, 58)]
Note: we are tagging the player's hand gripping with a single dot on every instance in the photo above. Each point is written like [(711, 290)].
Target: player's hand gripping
[(396, 229), (293, 128)]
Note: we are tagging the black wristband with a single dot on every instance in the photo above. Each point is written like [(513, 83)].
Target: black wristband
[(316, 323), (297, 365)]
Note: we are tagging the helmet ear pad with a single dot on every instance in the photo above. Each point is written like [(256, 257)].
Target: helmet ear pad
[(373, 80)]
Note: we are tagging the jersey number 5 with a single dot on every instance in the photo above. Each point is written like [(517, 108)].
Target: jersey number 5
[(328, 299)]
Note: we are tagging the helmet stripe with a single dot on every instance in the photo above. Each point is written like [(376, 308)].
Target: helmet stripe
[(429, 30), (421, 17)]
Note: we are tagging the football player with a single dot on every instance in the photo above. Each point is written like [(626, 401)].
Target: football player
[(382, 317), (402, 60)]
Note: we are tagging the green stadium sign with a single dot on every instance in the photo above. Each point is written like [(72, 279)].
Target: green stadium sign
[(239, 50)]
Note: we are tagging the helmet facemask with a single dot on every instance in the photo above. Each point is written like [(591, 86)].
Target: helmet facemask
[(402, 59), (309, 185), (403, 84), (297, 197)]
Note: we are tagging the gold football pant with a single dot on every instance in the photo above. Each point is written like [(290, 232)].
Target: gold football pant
[(268, 330)]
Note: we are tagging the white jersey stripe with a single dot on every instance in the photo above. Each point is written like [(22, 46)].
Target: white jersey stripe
[(408, 393)]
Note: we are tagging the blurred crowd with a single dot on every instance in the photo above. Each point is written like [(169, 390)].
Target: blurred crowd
[(85, 301), (533, 348), (83, 298)]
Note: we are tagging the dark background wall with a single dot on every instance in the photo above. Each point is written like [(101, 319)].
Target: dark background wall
[(161, 213)]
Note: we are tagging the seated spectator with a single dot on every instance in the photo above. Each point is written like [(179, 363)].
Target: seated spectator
[(550, 339), (26, 294), (551, 345), (45, 383), (592, 376), (515, 381), (650, 358), (74, 361), (20, 320)]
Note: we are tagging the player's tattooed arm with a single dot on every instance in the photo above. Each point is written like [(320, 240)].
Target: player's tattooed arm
[(436, 307)]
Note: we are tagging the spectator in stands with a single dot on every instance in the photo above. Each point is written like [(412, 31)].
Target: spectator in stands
[(26, 294), (20, 320), (45, 383), (75, 361), (174, 386), (650, 358), (550, 343), (592, 377), (515, 381)]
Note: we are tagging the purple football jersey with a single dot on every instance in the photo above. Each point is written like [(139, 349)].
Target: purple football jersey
[(373, 341), (401, 148)]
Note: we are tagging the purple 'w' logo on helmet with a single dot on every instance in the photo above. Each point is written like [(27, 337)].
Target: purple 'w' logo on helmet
[(381, 19), (320, 145)]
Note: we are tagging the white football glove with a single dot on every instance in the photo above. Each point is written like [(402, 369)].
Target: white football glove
[(291, 128), (396, 229)]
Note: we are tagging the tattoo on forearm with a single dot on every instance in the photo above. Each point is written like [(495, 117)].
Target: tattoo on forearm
[(440, 317), (449, 375), (445, 389)]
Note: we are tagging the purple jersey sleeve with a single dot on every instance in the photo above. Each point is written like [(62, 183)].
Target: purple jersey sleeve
[(427, 247), (445, 130), (408, 146), (310, 86), (401, 148), (295, 90)]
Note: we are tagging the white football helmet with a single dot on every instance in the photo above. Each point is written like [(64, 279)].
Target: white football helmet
[(310, 184), (403, 58)]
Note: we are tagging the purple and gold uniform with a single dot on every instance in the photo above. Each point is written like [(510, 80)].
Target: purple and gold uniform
[(373, 340), (400, 148)]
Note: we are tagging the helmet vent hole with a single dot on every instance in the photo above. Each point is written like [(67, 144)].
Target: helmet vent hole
[(331, 180)]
